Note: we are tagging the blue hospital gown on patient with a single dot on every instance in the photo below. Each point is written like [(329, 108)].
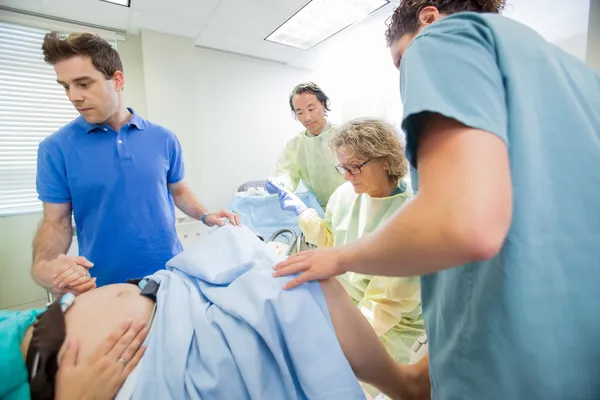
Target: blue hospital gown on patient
[(226, 329), (525, 324)]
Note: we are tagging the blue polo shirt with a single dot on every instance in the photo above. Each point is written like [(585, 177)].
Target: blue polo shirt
[(524, 324), (117, 185)]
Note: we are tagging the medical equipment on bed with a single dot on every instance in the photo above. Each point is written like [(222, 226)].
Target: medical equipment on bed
[(283, 249), (262, 213)]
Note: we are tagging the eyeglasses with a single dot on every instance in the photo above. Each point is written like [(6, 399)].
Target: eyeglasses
[(352, 169)]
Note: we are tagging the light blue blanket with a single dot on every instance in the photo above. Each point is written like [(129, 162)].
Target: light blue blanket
[(226, 329), (264, 216)]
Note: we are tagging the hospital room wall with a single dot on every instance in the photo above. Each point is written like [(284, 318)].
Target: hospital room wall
[(17, 289), (593, 36), (230, 112)]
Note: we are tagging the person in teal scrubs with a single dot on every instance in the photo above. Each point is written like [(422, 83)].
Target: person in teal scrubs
[(503, 129)]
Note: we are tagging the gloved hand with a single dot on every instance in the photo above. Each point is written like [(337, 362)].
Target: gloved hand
[(274, 185), (287, 200)]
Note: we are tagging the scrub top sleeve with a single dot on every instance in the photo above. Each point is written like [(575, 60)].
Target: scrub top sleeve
[(176, 168), (51, 178), (452, 70)]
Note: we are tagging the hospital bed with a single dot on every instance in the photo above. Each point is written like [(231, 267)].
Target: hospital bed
[(259, 211), (262, 213)]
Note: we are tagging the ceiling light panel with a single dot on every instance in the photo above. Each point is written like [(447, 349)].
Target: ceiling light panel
[(124, 3), (321, 19)]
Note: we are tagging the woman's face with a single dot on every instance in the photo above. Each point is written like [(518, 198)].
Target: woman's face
[(373, 178)]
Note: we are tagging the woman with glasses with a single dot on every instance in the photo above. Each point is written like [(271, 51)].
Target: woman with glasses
[(371, 159)]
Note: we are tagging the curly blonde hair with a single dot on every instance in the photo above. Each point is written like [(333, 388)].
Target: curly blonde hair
[(373, 139)]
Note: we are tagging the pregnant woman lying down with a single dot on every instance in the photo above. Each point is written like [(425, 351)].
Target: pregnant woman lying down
[(221, 327)]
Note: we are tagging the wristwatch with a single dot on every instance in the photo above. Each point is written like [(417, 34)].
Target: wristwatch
[(203, 219)]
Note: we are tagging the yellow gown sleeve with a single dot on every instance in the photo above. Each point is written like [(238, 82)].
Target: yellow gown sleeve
[(288, 168), (316, 229), (386, 299)]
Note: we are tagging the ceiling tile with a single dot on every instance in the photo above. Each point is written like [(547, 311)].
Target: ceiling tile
[(227, 41), (249, 18), (171, 26), (275, 51), (85, 11), (291, 6), (191, 11), (31, 5)]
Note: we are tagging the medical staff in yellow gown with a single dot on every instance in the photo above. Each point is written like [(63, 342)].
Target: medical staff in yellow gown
[(371, 158), (307, 157), (392, 305)]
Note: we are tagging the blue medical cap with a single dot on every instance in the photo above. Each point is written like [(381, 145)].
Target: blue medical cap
[(14, 382)]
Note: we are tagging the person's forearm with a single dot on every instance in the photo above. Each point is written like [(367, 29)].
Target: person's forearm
[(187, 202), (422, 238), (421, 367), (52, 238)]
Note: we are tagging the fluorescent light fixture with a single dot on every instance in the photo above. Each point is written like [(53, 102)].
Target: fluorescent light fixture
[(124, 3), (320, 19)]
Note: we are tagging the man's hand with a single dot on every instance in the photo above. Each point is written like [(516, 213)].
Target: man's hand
[(314, 265), (217, 218), (70, 274), (101, 375)]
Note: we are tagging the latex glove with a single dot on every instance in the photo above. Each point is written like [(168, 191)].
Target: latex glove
[(287, 200), (274, 185), (290, 202)]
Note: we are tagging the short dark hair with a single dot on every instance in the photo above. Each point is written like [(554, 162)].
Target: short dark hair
[(312, 88), (104, 57), (405, 18)]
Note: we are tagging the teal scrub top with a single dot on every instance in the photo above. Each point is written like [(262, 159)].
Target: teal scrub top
[(524, 324)]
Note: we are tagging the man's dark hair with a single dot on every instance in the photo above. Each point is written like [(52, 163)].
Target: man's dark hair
[(406, 16), (104, 57), (312, 88)]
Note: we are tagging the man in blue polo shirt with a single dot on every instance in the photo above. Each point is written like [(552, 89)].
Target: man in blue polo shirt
[(119, 175)]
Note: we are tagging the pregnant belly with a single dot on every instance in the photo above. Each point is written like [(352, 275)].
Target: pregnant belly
[(96, 314)]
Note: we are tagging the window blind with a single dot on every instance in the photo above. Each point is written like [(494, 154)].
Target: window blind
[(32, 106)]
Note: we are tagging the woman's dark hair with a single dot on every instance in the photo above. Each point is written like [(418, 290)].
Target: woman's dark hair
[(312, 88), (406, 16)]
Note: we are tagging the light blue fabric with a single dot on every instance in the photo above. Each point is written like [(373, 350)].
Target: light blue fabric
[(226, 329), (13, 371), (264, 216), (525, 324)]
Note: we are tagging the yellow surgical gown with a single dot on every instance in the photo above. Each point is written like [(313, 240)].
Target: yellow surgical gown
[(310, 159), (391, 305)]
